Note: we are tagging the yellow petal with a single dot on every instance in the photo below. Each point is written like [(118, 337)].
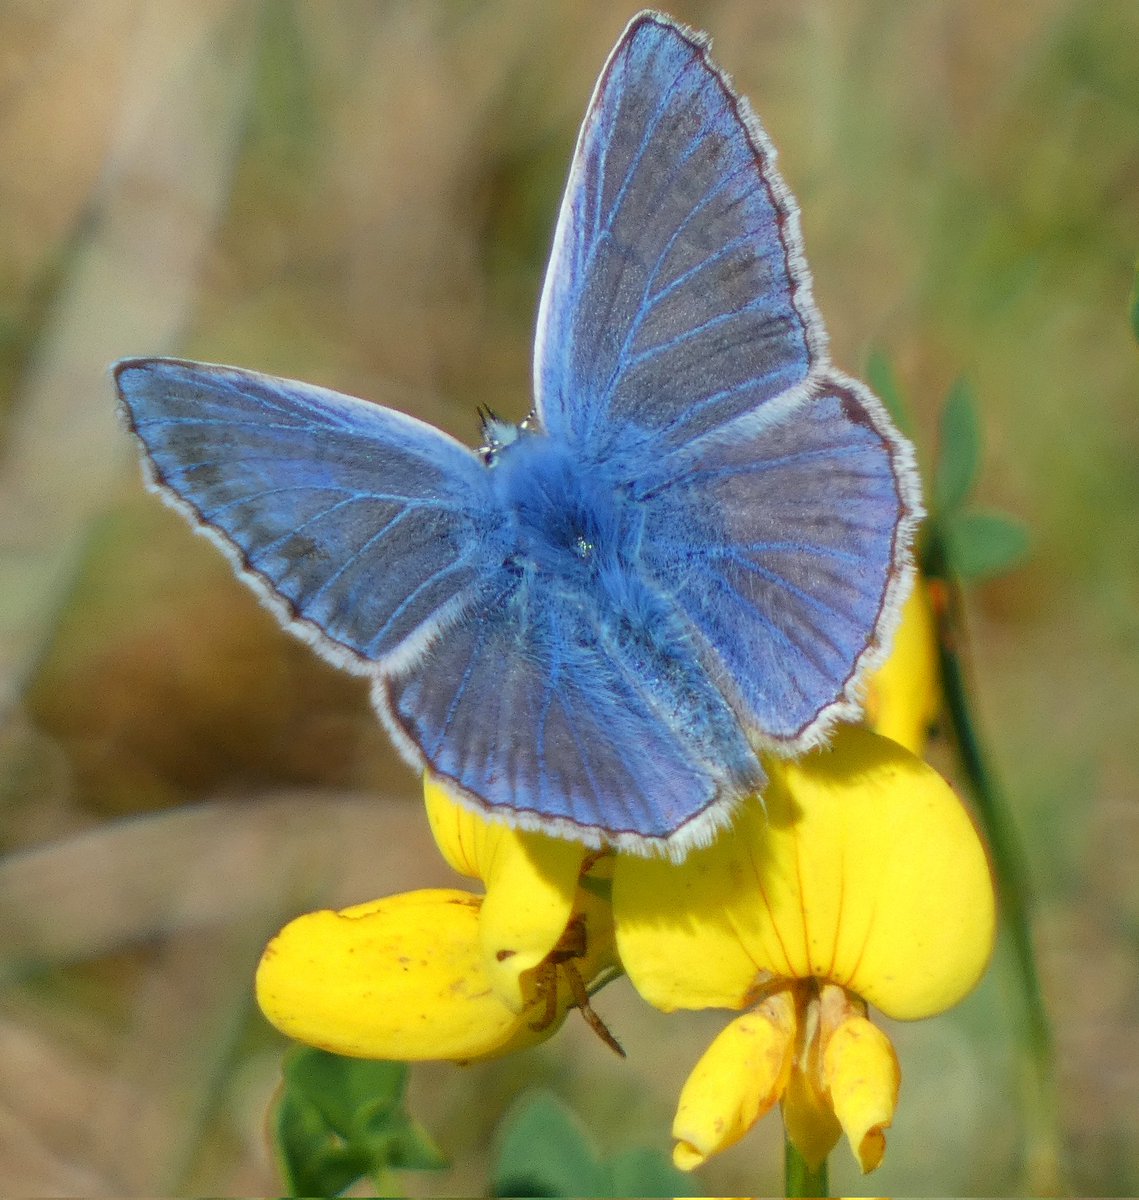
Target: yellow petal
[(400, 978), (861, 1074), (866, 871), (895, 899), (903, 697), (694, 934), (808, 1118), (466, 840), (530, 895), (740, 1077), (531, 887)]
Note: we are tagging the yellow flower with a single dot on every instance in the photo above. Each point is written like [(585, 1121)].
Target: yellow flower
[(444, 974), (809, 1045), (903, 696), (859, 880), (864, 882)]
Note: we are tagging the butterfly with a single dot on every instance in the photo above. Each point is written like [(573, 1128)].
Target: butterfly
[(691, 551)]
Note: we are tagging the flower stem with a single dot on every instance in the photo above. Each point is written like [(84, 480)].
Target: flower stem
[(1042, 1166), (798, 1178)]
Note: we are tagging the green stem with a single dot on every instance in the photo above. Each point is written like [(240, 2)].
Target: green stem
[(1010, 868), (798, 1178)]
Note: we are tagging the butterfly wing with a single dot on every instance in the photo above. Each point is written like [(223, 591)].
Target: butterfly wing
[(764, 503), (384, 543), (603, 758), (676, 298), (365, 530), (783, 546), (678, 339)]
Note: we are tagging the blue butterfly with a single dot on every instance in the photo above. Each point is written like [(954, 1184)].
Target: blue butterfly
[(692, 550)]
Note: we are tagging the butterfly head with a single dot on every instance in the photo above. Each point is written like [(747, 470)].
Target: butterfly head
[(497, 434)]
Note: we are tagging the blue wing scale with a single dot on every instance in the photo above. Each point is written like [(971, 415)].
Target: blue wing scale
[(596, 739)]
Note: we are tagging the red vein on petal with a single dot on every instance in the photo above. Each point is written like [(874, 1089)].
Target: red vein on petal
[(853, 972), (838, 914), (771, 914), (803, 905)]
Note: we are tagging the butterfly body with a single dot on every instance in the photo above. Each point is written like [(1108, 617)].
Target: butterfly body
[(572, 597), (567, 521), (694, 548)]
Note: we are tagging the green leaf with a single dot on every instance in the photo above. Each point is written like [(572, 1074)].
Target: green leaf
[(884, 383), (959, 453), (352, 1094), (1135, 304), (983, 544), (339, 1119), (407, 1146), (545, 1151), (647, 1172), (313, 1160)]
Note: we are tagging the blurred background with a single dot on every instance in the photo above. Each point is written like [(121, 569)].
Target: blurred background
[(362, 194)]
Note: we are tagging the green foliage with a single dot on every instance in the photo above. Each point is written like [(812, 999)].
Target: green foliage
[(960, 449), (282, 124), (884, 383), (982, 544), (960, 540), (340, 1119), (544, 1150)]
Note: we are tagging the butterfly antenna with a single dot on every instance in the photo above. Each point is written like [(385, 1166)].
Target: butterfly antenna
[(488, 419)]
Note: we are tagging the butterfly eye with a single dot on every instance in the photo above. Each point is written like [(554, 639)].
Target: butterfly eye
[(497, 434)]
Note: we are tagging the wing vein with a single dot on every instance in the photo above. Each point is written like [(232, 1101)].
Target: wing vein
[(356, 554), (647, 136), (754, 468), (812, 602), (447, 569), (279, 491), (456, 700), (261, 551), (757, 305)]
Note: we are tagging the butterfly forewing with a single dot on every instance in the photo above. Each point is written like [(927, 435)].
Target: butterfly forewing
[(366, 526), (675, 299)]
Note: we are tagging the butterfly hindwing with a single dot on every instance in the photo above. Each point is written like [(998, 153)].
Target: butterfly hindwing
[(782, 547), (365, 527), (604, 755), (676, 297)]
